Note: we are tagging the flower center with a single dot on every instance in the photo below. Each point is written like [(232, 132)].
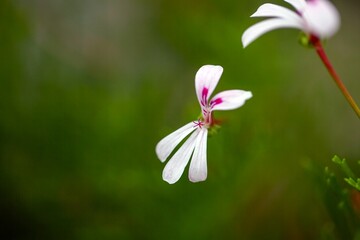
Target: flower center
[(199, 123)]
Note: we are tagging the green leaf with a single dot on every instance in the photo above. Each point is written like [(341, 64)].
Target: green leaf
[(344, 166)]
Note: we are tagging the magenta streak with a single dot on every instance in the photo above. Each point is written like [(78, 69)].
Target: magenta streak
[(204, 112), (204, 94), (215, 102)]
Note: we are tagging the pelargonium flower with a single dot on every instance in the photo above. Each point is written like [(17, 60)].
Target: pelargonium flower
[(317, 18), (194, 147)]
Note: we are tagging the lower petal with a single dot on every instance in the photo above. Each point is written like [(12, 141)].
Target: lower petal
[(265, 26), (168, 143), (272, 10), (198, 166), (176, 165), (299, 5)]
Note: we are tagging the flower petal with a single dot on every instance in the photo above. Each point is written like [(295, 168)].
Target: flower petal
[(322, 18), (198, 166), (206, 79), (272, 10), (176, 165), (168, 143), (265, 26), (299, 5), (230, 99)]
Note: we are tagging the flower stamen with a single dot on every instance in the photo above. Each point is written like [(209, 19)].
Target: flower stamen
[(198, 123)]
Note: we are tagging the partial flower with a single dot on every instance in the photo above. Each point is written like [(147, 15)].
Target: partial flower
[(194, 147), (317, 18)]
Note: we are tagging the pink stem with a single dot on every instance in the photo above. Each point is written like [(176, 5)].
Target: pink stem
[(320, 51)]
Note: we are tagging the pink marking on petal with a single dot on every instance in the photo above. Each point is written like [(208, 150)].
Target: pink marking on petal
[(204, 94), (215, 102)]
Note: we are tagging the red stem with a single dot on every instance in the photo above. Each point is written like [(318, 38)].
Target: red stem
[(320, 51)]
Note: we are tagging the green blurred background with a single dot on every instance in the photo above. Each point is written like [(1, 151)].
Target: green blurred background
[(87, 89)]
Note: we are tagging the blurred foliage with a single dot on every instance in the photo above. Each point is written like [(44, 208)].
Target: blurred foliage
[(350, 179), (342, 204), (89, 87)]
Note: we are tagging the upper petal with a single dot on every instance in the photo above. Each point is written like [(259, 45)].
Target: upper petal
[(255, 31), (299, 5), (230, 99), (322, 18), (206, 79), (176, 165), (198, 166), (272, 10), (168, 143)]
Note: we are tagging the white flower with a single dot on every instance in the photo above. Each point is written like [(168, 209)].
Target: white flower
[(206, 80), (318, 18)]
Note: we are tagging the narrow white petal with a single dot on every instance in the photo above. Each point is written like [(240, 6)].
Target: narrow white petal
[(322, 18), (176, 165), (299, 5), (230, 99), (206, 79), (272, 10), (168, 143), (255, 31), (198, 166)]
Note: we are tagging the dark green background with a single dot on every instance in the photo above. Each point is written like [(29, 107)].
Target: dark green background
[(87, 89)]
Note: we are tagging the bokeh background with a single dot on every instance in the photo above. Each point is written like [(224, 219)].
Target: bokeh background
[(87, 89)]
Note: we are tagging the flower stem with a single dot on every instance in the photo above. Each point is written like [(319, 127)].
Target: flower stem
[(320, 51)]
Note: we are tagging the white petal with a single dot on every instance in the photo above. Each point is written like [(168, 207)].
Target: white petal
[(322, 18), (206, 80), (272, 10), (265, 26), (230, 99), (168, 143), (176, 165), (299, 5), (198, 166)]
